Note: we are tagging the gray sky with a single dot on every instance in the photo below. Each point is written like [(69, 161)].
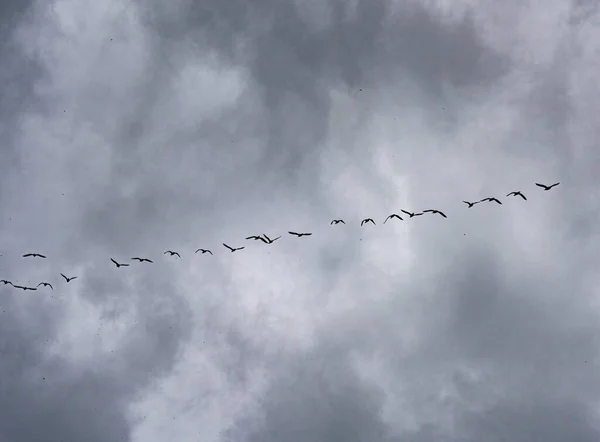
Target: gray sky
[(130, 128)]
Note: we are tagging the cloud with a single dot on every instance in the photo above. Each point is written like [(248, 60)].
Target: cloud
[(132, 128)]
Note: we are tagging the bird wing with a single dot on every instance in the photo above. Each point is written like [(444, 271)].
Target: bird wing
[(404, 211), (27, 255), (523, 196), (64, 277), (177, 254), (114, 261), (197, 250), (555, 184), (268, 239), (307, 234), (209, 252), (227, 246), (294, 233), (540, 185), (443, 214), (74, 277)]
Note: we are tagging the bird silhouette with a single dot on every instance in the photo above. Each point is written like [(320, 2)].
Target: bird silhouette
[(299, 235), (543, 186), (496, 200), (204, 251), (337, 221), (410, 214), (471, 204), (119, 265), (5, 281), (67, 278), (23, 287), (233, 249), (258, 237), (142, 259), (367, 220), (46, 284), (33, 255), (392, 216), (269, 240), (517, 193), (171, 253), (435, 211)]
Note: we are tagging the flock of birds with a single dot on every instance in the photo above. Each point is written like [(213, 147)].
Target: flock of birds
[(264, 238)]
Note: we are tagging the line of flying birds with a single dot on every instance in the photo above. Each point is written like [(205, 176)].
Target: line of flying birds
[(264, 238)]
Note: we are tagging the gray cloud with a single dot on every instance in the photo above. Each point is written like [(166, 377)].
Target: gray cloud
[(131, 129)]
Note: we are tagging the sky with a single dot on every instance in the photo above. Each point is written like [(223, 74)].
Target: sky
[(128, 128)]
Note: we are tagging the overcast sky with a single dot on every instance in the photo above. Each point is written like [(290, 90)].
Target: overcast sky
[(128, 128)]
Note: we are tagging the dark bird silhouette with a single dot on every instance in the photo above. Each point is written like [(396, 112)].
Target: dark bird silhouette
[(23, 287), (517, 193), (33, 255), (337, 221), (67, 278), (435, 211), (142, 259), (367, 220), (46, 284), (269, 240), (392, 216), (204, 251), (233, 249), (5, 281), (410, 214), (171, 253), (258, 237), (496, 200), (299, 235), (471, 204), (119, 265), (543, 186)]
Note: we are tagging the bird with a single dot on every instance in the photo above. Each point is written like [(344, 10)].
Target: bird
[(142, 259), (411, 214), (257, 237), (518, 192), (5, 281), (269, 240), (435, 211), (46, 284), (367, 220), (67, 278), (23, 287), (490, 200), (337, 221), (34, 255), (393, 215), (233, 249), (204, 251), (171, 253), (299, 235), (543, 186), (119, 265), (471, 204)]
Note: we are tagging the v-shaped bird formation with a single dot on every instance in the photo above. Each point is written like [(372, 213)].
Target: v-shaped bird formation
[(267, 240)]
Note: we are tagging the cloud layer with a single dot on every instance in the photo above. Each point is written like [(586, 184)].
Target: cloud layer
[(131, 128)]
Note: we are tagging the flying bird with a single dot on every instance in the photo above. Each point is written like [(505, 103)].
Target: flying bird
[(67, 278), (299, 235), (204, 251), (171, 253), (410, 214), (34, 255), (517, 193), (23, 287), (258, 237), (233, 249), (46, 284), (543, 186), (4, 281), (496, 200), (367, 220), (142, 259), (269, 240), (471, 204), (393, 215), (435, 211), (337, 221), (119, 265)]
